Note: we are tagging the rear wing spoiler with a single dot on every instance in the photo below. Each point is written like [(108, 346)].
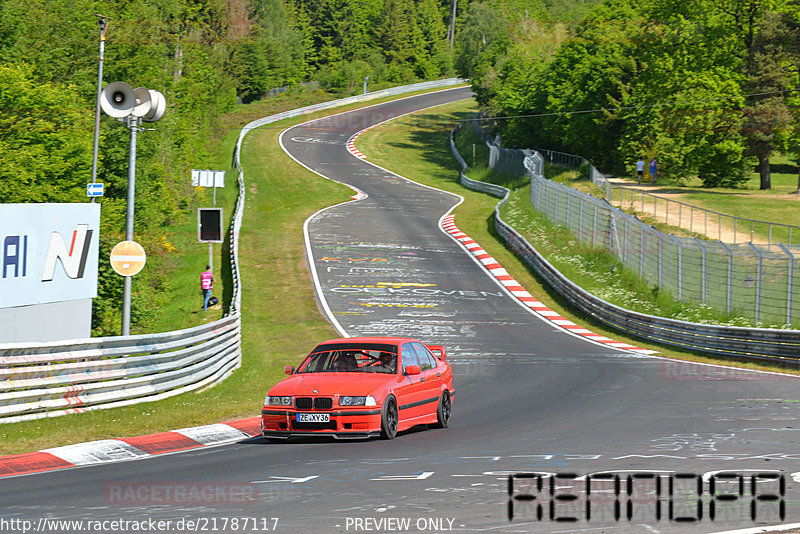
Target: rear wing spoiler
[(442, 354)]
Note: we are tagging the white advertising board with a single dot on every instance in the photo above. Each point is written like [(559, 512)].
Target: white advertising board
[(48, 253)]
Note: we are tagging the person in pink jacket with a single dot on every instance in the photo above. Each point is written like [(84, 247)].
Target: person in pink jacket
[(206, 284)]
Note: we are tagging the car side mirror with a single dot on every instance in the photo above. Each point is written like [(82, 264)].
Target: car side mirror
[(289, 369), (413, 370)]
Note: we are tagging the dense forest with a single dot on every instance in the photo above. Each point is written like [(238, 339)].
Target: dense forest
[(706, 86), (206, 57)]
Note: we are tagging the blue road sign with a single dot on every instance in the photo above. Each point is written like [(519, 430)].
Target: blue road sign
[(94, 190)]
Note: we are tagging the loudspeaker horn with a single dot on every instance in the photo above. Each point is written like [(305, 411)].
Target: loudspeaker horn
[(143, 103), (118, 99), (158, 105)]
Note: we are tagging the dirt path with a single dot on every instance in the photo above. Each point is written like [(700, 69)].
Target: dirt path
[(666, 208)]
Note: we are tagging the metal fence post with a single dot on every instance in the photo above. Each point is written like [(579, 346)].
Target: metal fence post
[(612, 234), (729, 281), (679, 273), (703, 268), (661, 261), (627, 241), (641, 252), (555, 204), (758, 279), (789, 283), (569, 200)]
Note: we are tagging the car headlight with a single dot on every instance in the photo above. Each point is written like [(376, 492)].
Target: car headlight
[(369, 400), (277, 401)]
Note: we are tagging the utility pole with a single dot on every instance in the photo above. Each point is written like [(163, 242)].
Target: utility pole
[(102, 21), (133, 126)]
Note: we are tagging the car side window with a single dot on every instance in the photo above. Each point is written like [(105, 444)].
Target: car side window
[(409, 356), (425, 358)]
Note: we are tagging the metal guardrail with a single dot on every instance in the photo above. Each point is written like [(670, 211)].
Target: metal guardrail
[(757, 282), (727, 341), (57, 378), (114, 371)]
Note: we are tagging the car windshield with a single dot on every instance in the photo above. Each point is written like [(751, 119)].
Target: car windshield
[(347, 359)]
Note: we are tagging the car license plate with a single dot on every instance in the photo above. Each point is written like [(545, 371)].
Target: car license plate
[(313, 418)]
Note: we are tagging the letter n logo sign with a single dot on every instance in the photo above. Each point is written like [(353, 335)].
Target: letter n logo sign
[(74, 259)]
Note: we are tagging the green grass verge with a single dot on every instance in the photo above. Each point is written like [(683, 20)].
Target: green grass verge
[(600, 272), (281, 321), (418, 148)]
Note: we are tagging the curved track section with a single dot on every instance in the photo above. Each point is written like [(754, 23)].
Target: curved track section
[(531, 400)]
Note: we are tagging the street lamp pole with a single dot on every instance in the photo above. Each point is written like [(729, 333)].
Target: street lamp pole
[(120, 101), (133, 125), (103, 22)]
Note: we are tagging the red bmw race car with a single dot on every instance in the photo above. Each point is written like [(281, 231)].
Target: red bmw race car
[(359, 388)]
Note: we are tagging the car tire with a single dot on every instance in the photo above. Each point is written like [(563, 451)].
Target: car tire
[(389, 418), (444, 410)]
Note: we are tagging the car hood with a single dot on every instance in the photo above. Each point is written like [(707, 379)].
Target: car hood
[(329, 384)]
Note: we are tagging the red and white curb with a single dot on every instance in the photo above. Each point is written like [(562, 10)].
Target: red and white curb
[(351, 147), (514, 287), (351, 144), (115, 450)]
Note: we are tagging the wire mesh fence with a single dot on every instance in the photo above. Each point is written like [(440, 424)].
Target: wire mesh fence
[(727, 228), (755, 281)]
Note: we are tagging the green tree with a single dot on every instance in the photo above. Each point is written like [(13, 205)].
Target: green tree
[(271, 56), (45, 139), (769, 70), (685, 101), (482, 45)]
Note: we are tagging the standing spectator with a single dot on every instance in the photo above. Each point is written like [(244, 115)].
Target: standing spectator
[(639, 170), (206, 284), (653, 170)]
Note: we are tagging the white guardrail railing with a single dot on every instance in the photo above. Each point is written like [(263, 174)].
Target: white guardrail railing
[(727, 341), (57, 378)]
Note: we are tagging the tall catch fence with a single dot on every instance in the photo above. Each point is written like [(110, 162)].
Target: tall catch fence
[(727, 228), (747, 279), (40, 380), (756, 281)]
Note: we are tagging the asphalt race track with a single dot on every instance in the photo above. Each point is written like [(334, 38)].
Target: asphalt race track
[(668, 447)]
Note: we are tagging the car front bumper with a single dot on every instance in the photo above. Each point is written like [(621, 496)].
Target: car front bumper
[(343, 424)]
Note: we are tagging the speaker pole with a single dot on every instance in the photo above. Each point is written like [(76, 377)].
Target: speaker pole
[(103, 22), (133, 125)]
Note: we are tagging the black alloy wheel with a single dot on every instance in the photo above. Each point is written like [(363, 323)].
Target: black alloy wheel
[(389, 418), (444, 410)]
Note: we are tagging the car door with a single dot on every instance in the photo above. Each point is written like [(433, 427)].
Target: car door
[(432, 376), (412, 390)]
